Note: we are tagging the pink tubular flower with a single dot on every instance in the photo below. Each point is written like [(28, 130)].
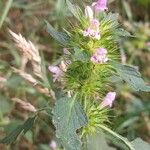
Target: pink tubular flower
[(66, 52), (57, 72), (108, 100), (53, 145), (100, 56), (100, 5), (93, 29), (148, 44)]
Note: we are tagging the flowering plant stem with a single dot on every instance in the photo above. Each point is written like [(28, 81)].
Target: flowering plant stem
[(4, 14)]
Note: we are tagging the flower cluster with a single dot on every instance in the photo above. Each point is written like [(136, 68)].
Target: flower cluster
[(58, 71), (93, 29), (99, 55)]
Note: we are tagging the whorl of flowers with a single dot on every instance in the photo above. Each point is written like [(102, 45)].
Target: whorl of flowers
[(92, 64), (85, 76), (89, 53)]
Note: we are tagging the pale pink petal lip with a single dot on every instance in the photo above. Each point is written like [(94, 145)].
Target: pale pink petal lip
[(148, 44), (93, 30), (100, 56), (53, 145), (66, 51), (56, 71), (108, 100)]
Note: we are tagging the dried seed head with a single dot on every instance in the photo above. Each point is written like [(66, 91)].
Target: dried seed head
[(29, 52), (25, 105)]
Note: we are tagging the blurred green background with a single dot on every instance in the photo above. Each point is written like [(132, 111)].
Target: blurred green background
[(131, 110)]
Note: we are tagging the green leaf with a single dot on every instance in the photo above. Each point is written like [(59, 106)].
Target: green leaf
[(10, 138), (61, 37), (132, 77), (123, 33), (68, 117), (28, 124), (97, 141), (117, 136), (139, 144), (74, 9), (4, 105)]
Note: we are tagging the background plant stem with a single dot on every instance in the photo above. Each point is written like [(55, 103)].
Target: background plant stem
[(5, 12)]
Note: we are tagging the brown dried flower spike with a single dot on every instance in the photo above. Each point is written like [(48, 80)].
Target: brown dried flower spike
[(29, 53)]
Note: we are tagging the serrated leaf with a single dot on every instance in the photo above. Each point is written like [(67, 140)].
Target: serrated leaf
[(123, 33), (68, 117), (10, 138), (139, 144), (74, 9), (28, 124), (60, 37), (132, 77), (97, 141)]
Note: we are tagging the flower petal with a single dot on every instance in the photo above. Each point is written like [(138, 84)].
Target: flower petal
[(89, 12), (100, 5), (108, 100)]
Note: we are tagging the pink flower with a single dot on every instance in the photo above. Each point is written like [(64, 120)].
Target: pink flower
[(53, 145), (64, 65), (100, 5), (100, 56), (93, 29), (57, 72), (108, 100), (148, 44), (66, 52)]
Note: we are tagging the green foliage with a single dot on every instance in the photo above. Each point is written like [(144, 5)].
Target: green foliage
[(97, 141), (144, 2), (11, 137), (132, 77), (96, 116), (61, 37), (74, 9), (113, 134), (89, 81), (5, 12), (139, 144), (68, 117), (4, 105), (80, 55), (87, 78)]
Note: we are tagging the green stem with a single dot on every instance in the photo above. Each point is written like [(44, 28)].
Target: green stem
[(5, 12), (125, 141)]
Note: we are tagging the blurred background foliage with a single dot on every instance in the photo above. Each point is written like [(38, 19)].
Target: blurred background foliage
[(131, 110)]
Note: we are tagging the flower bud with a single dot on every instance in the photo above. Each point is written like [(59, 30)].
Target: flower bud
[(108, 100), (89, 12)]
